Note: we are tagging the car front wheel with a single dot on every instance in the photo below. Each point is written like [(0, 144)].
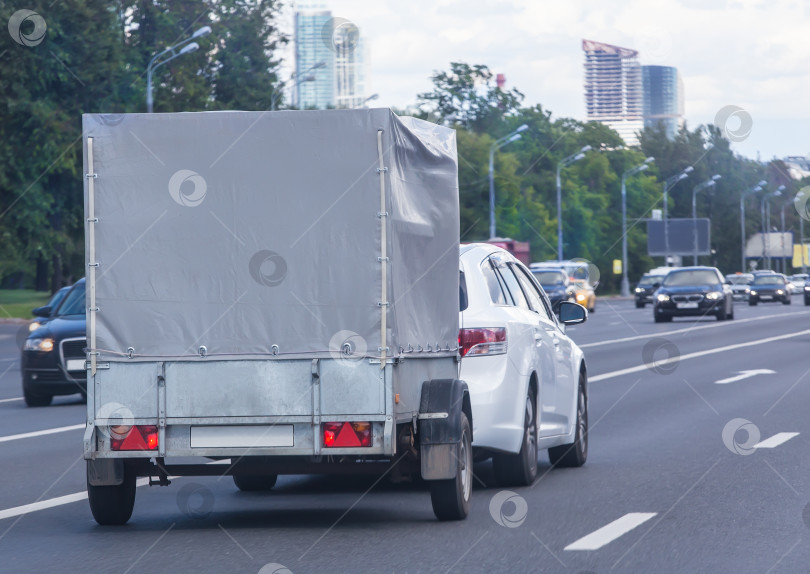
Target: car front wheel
[(34, 399)]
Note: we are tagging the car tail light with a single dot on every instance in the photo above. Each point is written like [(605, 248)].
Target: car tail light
[(482, 341), (138, 437), (346, 434)]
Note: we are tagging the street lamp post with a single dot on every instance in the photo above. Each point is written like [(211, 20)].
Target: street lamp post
[(565, 162), (669, 184), (155, 62), (754, 189), (704, 185), (631, 171), (498, 144), (765, 212), (782, 241), (305, 76)]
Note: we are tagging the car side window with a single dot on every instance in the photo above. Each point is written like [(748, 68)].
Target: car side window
[(538, 298), (528, 289), (496, 292), (513, 285)]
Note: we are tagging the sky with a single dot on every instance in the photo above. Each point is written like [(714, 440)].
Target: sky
[(752, 54)]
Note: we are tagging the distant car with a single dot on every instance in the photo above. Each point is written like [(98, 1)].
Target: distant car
[(806, 291), (647, 285), (527, 378), (46, 312), (557, 285), (797, 282), (740, 285), (767, 288), (584, 294), (53, 356), (693, 291)]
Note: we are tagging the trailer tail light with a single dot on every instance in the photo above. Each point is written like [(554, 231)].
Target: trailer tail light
[(346, 434), (138, 437), (482, 341)]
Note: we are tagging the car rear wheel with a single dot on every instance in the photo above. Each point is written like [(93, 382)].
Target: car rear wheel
[(255, 482), (451, 498), (34, 399), (575, 453), (112, 505), (520, 469)]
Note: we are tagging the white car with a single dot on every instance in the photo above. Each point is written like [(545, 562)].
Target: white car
[(527, 379)]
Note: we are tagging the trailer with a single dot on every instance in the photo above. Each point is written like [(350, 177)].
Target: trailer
[(277, 292)]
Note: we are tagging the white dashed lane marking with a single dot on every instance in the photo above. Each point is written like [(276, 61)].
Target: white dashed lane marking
[(610, 532)]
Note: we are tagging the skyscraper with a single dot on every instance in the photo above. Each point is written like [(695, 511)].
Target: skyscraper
[(663, 99), (313, 33), (337, 43), (613, 88)]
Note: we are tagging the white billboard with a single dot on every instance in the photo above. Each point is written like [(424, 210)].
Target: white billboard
[(772, 244)]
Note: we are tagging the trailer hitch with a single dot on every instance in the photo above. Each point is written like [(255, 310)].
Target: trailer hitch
[(162, 475)]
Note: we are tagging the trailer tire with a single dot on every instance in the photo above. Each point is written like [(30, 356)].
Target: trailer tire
[(451, 498), (255, 482), (112, 505)]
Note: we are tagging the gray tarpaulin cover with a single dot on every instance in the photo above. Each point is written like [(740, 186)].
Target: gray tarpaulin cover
[(238, 231)]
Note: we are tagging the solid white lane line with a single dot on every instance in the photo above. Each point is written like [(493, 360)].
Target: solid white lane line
[(52, 502), (41, 432), (610, 532), (686, 330), (776, 440), (9, 400), (688, 356)]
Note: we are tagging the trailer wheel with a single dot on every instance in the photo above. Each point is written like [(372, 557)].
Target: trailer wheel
[(112, 505), (451, 498), (255, 482)]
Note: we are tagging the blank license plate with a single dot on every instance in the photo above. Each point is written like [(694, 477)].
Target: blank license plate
[(687, 305), (256, 436), (75, 364), (764, 296)]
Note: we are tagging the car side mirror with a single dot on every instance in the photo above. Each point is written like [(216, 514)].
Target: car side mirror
[(572, 313), (44, 311)]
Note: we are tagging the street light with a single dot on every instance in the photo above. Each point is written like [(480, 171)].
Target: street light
[(154, 63), (801, 196), (498, 144), (367, 100), (565, 162), (765, 229), (669, 184), (631, 171), (306, 77), (704, 185), (754, 189)]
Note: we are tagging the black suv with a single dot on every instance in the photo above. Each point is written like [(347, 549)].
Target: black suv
[(557, 286), (693, 291), (53, 356)]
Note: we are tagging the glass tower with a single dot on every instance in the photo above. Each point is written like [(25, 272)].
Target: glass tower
[(313, 44), (663, 99)]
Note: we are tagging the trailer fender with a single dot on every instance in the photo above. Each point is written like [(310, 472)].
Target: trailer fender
[(442, 402), (105, 471)]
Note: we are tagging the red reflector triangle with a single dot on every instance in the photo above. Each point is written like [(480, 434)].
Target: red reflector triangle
[(134, 441), (347, 437)]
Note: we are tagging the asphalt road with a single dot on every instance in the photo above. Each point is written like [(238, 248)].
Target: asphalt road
[(684, 474)]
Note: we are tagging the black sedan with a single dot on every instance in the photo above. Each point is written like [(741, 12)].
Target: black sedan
[(557, 286), (693, 291), (767, 288), (53, 356)]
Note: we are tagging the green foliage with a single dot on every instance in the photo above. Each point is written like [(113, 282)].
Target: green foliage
[(93, 59)]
